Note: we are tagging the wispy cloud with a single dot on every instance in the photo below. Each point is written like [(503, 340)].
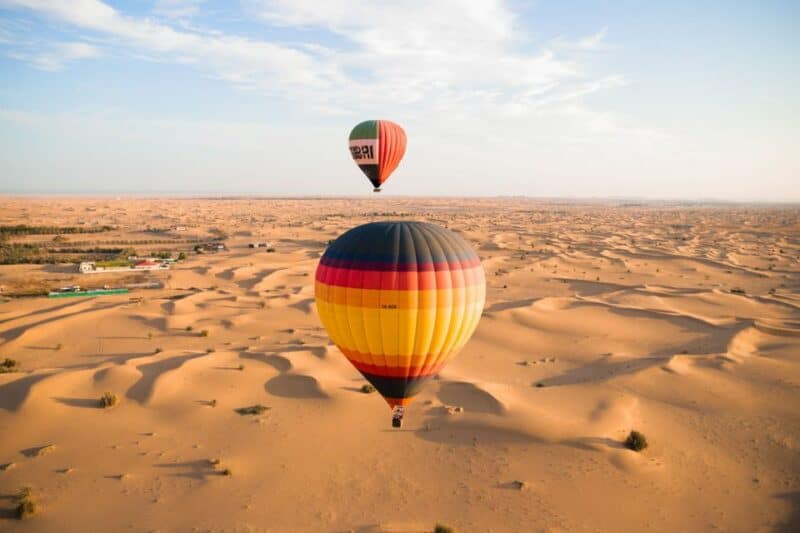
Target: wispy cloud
[(177, 9), (55, 56), (426, 56), (593, 42), (237, 59)]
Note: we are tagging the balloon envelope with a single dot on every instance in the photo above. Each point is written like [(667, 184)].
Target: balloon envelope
[(377, 146), (399, 299)]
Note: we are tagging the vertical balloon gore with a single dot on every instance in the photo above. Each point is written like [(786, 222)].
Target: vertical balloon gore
[(377, 146), (399, 299)]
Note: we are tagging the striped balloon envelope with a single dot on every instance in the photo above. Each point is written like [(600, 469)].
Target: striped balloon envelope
[(399, 299), (377, 146)]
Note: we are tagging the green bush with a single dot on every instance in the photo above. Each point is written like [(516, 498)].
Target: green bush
[(108, 399), (26, 505), (252, 410), (9, 365), (636, 441), (367, 388)]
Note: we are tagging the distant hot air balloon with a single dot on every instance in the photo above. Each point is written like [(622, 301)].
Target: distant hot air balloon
[(377, 146), (399, 299)]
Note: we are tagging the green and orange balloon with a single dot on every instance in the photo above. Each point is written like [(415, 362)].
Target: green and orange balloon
[(377, 146)]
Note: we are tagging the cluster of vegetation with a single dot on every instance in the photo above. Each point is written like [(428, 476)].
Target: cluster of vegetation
[(128, 242), (636, 441), (367, 388), (24, 229), (28, 292), (26, 504), (29, 253), (108, 399), (8, 366), (252, 410), (111, 263), (385, 214), (96, 250)]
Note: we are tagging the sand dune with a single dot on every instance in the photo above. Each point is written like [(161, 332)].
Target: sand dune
[(682, 322)]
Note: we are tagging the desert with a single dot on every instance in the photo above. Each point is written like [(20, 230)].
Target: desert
[(231, 410)]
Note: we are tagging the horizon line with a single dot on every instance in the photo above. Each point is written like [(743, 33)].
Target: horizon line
[(367, 196)]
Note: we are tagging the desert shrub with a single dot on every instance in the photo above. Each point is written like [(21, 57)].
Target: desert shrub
[(210, 350), (636, 441), (158, 350), (252, 410), (226, 472), (59, 346), (367, 388), (108, 399), (26, 505), (270, 250), (189, 328), (204, 333), (9, 365), (441, 528), (241, 367)]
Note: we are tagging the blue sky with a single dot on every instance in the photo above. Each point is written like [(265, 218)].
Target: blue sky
[(680, 99)]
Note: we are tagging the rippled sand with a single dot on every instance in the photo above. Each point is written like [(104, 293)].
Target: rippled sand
[(682, 322)]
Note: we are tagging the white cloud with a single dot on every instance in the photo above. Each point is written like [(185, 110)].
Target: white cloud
[(177, 9), (240, 60), (55, 56), (467, 57)]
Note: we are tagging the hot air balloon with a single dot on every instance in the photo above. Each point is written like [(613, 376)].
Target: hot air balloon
[(377, 146), (399, 299)]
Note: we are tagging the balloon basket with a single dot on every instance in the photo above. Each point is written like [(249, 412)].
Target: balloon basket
[(376, 189), (397, 416)]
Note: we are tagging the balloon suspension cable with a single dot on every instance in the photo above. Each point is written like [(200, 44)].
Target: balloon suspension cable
[(397, 416)]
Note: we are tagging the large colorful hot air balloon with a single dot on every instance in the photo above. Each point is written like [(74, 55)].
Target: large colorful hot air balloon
[(399, 299), (377, 146)]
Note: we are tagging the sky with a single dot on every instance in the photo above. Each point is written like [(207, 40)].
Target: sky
[(550, 98)]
